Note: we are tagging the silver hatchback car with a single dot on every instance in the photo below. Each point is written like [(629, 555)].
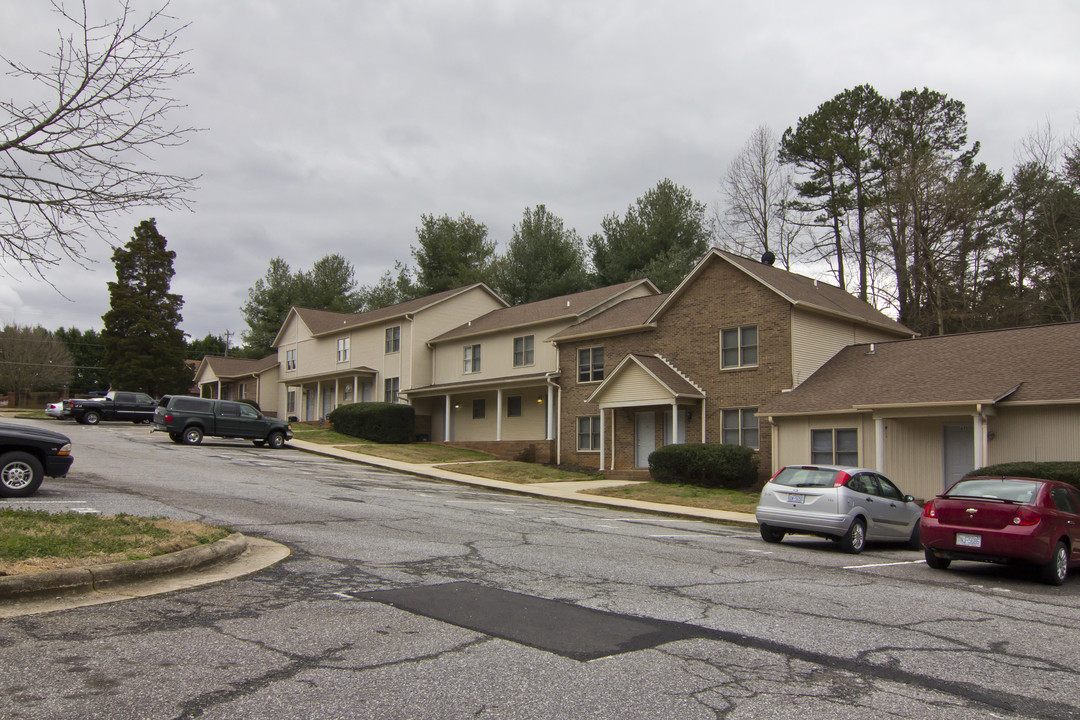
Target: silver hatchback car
[(847, 504)]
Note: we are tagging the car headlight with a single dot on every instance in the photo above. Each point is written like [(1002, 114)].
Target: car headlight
[(64, 449)]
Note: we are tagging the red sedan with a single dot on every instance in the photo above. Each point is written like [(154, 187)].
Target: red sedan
[(1005, 519)]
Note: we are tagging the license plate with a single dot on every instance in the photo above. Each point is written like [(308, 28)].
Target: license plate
[(796, 499), (968, 540)]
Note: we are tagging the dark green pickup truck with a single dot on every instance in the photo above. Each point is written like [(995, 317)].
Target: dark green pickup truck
[(187, 419)]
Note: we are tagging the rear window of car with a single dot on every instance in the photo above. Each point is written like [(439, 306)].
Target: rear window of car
[(182, 404), (805, 477), (1021, 491)]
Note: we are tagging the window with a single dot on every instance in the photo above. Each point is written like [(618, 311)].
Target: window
[(479, 409), (290, 359), (343, 350), (739, 427), (523, 351), (590, 364), (588, 433), (393, 339), (390, 389), (738, 347), (513, 406), (290, 402), (472, 358), (241, 391), (838, 446)]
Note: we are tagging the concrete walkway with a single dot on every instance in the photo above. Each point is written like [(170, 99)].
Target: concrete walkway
[(566, 490)]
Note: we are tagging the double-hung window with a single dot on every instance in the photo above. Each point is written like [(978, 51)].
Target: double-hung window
[(834, 446), (343, 350), (472, 358), (740, 427), (393, 339), (290, 359), (588, 433), (523, 351), (590, 364), (739, 347), (391, 386)]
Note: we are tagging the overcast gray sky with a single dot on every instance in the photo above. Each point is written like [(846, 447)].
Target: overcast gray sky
[(331, 126)]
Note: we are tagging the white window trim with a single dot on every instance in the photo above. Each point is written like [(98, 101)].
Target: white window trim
[(740, 365)]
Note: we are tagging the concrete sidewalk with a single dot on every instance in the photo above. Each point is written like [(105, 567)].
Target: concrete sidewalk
[(567, 490)]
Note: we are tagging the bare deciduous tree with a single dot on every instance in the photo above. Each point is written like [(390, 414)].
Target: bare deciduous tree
[(79, 149), (755, 216), (33, 359)]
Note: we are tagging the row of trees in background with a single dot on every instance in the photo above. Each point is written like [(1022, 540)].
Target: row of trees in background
[(889, 193)]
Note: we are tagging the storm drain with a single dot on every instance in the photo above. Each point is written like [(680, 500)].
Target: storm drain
[(556, 627)]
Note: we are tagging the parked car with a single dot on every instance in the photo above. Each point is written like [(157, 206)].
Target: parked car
[(846, 504), (188, 419), (55, 409), (1005, 519), (27, 455), (116, 405)]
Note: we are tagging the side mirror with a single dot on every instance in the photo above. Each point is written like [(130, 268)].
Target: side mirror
[(909, 498)]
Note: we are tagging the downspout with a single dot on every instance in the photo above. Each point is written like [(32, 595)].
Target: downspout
[(553, 392)]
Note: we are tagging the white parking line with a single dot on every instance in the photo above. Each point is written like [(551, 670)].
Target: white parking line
[(906, 562), (695, 535)]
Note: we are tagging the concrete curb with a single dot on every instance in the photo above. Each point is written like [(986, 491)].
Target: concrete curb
[(85, 579)]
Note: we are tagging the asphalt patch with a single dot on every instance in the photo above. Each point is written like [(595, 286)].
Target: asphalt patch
[(550, 625)]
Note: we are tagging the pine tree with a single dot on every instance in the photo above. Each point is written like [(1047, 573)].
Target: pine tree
[(144, 346)]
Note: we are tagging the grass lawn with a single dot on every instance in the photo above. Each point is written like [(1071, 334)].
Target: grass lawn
[(689, 495), (34, 540), (421, 453), (517, 472)]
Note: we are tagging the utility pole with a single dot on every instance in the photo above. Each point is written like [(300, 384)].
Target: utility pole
[(228, 337)]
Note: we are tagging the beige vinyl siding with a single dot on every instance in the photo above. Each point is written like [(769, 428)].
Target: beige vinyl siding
[(914, 453), (497, 354), (634, 386), (530, 426), (816, 338), (432, 322), (1037, 434)]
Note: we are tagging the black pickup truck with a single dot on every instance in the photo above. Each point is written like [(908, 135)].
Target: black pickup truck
[(116, 405)]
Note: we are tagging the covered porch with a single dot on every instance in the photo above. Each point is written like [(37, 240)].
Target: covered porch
[(312, 399)]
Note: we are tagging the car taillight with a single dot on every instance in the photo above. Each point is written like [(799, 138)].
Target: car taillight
[(1026, 516), (929, 510), (168, 417), (841, 478)]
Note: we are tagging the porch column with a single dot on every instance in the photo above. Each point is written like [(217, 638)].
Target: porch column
[(980, 440), (446, 420), (318, 400), (498, 414), (550, 413), (356, 389), (219, 389), (675, 422), (337, 391), (879, 444), (602, 438)]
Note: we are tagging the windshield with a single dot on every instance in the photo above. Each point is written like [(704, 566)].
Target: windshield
[(805, 477), (1013, 490)]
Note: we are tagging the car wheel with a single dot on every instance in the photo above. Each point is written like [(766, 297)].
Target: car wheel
[(192, 435), (915, 541), (854, 539), (176, 437), (276, 440), (770, 534), (91, 417), (20, 474), (1055, 571), (935, 561)]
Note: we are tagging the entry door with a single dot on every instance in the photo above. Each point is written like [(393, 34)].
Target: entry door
[(309, 405), (959, 446), (644, 437)]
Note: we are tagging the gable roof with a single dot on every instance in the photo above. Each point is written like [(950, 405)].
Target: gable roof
[(799, 290), (1035, 365), (229, 368), (570, 307), (660, 370), (325, 322), (627, 316)]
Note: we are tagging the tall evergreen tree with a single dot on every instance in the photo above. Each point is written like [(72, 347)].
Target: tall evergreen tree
[(88, 354), (452, 253), (144, 346), (660, 238), (544, 259)]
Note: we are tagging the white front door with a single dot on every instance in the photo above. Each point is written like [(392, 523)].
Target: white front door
[(959, 451), (644, 437)]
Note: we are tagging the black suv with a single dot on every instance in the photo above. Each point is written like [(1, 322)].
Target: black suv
[(187, 419)]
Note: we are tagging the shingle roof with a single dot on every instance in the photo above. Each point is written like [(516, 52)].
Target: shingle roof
[(1031, 364), (321, 322), (799, 290), (564, 306), (627, 315), (655, 365), (233, 367)]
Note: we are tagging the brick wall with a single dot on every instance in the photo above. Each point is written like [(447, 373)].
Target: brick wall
[(688, 336)]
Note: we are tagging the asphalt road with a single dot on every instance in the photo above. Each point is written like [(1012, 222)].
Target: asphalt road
[(405, 598)]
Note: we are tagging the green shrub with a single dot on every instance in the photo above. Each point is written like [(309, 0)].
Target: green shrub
[(1063, 470), (706, 465), (378, 422)]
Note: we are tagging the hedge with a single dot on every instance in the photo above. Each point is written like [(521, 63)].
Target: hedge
[(705, 464), (376, 421), (1063, 470)]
